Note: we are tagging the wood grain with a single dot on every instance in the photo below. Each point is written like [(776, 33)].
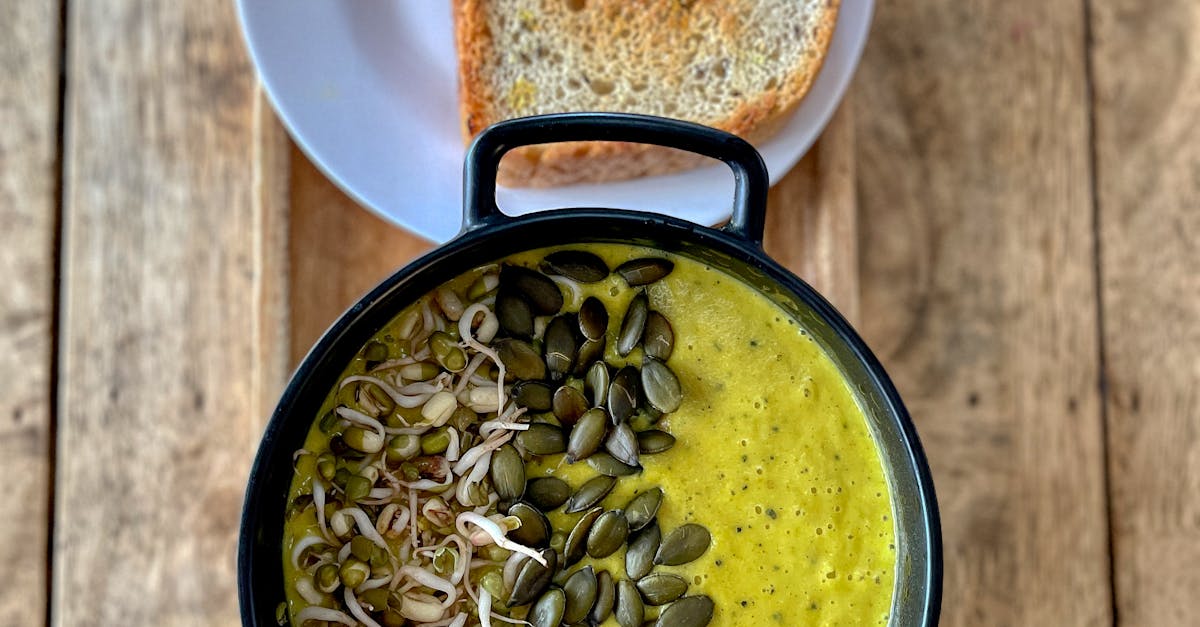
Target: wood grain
[(29, 54), (159, 415), (812, 219), (338, 251), (1148, 168), (979, 293)]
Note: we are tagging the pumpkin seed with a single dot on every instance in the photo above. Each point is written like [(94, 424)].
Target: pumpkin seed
[(508, 473), (577, 265), (533, 394), (661, 588), (533, 578), (633, 324), (543, 295), (590, 493), (623, 394), (596, 383), (542, 439), (587, 435), (576, 545), (654, 441), (606, 464), (695, 611), (569, 405), (547, 493), (548, 611), (658, 338), (520, 359), (683, 545), (628, 607), (660, 386), (622, 443), (642, 508), (580, 590), (593, 318), (535, 528), (559, 347), (639, 557), (514, 314), (644, 271), (606, 593), (589, 352), (608, 534)]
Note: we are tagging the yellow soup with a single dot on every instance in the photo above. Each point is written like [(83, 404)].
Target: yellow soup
[(773, 456)]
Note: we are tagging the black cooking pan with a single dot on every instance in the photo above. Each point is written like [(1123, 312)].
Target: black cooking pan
[(488, 235)]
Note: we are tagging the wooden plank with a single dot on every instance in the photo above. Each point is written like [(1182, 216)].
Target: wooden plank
[(1148, 173), (979, 293), (812, 217), (29, 53), (339, 251), (162, 280)]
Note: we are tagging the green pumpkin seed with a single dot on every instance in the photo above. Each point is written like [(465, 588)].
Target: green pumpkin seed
[(596, 383), (606, 592), (628, 607), (569, 404), (587, 435), (683, 545), (623, 394), (606, 464), (590, 493), (548, 611), (375, 352), (535, 395), (547, 493), (654, 441), (593, 318), (508, 473), (543, 295), (580, 590), (535, 528), (542, 439), (559, 347), (644, 271), (622, 444), (658, 338), (639, 557), (520, 359), (661, 588), (642, 508), (533, 578), (608, 534), (695, 611), (576, 545), (633, 324), (514, 314), (660, 386), (577, 265), (590, 352)]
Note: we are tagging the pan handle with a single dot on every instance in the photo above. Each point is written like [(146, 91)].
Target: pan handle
[(483, 157)]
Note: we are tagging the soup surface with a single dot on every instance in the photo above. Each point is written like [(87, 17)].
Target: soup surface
[(772, 455)]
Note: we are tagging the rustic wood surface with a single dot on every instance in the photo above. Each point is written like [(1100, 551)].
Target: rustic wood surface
[(1148, 182), (1008, 204), (30, 45)]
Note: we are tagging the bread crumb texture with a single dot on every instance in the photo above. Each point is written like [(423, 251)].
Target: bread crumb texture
[(738, 65)]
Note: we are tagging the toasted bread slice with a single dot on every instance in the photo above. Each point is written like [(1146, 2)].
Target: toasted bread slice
[(738, 65)]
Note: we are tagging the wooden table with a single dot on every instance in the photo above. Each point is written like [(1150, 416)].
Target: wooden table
[(1008, 205)]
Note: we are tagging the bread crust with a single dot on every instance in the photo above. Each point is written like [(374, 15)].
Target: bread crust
[(755, 119)]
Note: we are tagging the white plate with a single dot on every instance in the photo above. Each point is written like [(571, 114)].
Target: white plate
[(367, 88)]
